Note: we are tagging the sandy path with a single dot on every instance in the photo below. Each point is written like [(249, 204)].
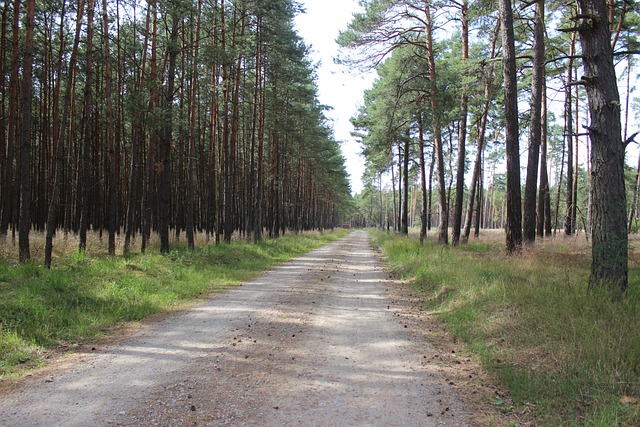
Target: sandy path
[(314, 342)]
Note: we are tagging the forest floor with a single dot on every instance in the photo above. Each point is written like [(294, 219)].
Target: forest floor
[(326, 339)]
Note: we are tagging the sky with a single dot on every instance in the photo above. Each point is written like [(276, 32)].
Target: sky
[(338, 87), (343, 89)]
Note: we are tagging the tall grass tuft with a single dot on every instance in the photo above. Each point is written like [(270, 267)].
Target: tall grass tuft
[(86, 295), (570, 354)]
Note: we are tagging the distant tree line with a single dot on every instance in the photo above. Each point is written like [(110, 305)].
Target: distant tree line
[(168, 116)]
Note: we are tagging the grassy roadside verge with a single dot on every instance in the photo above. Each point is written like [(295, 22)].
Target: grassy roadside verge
[(85, 297), (566, 356)]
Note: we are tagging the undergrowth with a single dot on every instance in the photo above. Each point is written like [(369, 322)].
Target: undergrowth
[(85, 296), (567, 356)]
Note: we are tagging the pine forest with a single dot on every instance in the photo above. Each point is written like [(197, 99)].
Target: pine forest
[(165, 118), (178, 118)]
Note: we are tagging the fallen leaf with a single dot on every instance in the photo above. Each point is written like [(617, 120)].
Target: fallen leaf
[(630, 400)]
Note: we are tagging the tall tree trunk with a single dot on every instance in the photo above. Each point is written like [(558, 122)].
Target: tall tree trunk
[(514, 207), (462, 133), (257, 233), (482, 128), (9, 195), (398, 218), (149, 190), (405, 204), (112, 196), (443, 235), (192, 134), (479, 198), (137, 138), (543, 227), (423, 180), (87, 132), (636, 183), (166, 137), (393, 191), (226, 143), (569, 224), (576, 162), (430, 202), (54, 207), (609, 266), (5, 191), (535, 128), (25, 136)]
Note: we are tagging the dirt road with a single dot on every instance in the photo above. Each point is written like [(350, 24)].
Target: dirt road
[(315, 342)]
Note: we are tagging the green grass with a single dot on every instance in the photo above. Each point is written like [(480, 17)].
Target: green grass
[(568, 354), (83, 297)]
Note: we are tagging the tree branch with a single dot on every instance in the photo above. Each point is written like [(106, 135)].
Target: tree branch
[(630, 139)]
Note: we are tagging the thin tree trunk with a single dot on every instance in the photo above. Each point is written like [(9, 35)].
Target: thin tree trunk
[(569, 224), (137, 139), (535, 127), (576, 162), (192, 135), (54, 207), (166, 137), (257, 234), (9, 195), (5, 162), (479, 198), (462, 134), (109, 125), (443, 235), (393, 190), (147, 204), (87, 132), (405, 173), (543, 227), (25, 136), (475, 178), (423, 180)]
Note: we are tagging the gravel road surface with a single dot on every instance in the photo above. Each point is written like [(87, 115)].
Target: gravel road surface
[(314, 342)]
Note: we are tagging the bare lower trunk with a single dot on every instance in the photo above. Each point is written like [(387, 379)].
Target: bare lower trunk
[(513, 202), (609, 267)]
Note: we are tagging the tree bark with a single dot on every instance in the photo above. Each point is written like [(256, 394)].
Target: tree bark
[(25, 136), (569, 224), (137, 141), (543, 227), (405, 175), (462, 134), (443, 235), (535, 128), (52, 214), (192, 134), (514, 207), (166, 137), (423, 181), (477, 168), (9, 195), (87, 132), (112, 193), (149, 190), (609, 267)]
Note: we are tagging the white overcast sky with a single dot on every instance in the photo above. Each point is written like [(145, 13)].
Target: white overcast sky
[(338, 87)]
